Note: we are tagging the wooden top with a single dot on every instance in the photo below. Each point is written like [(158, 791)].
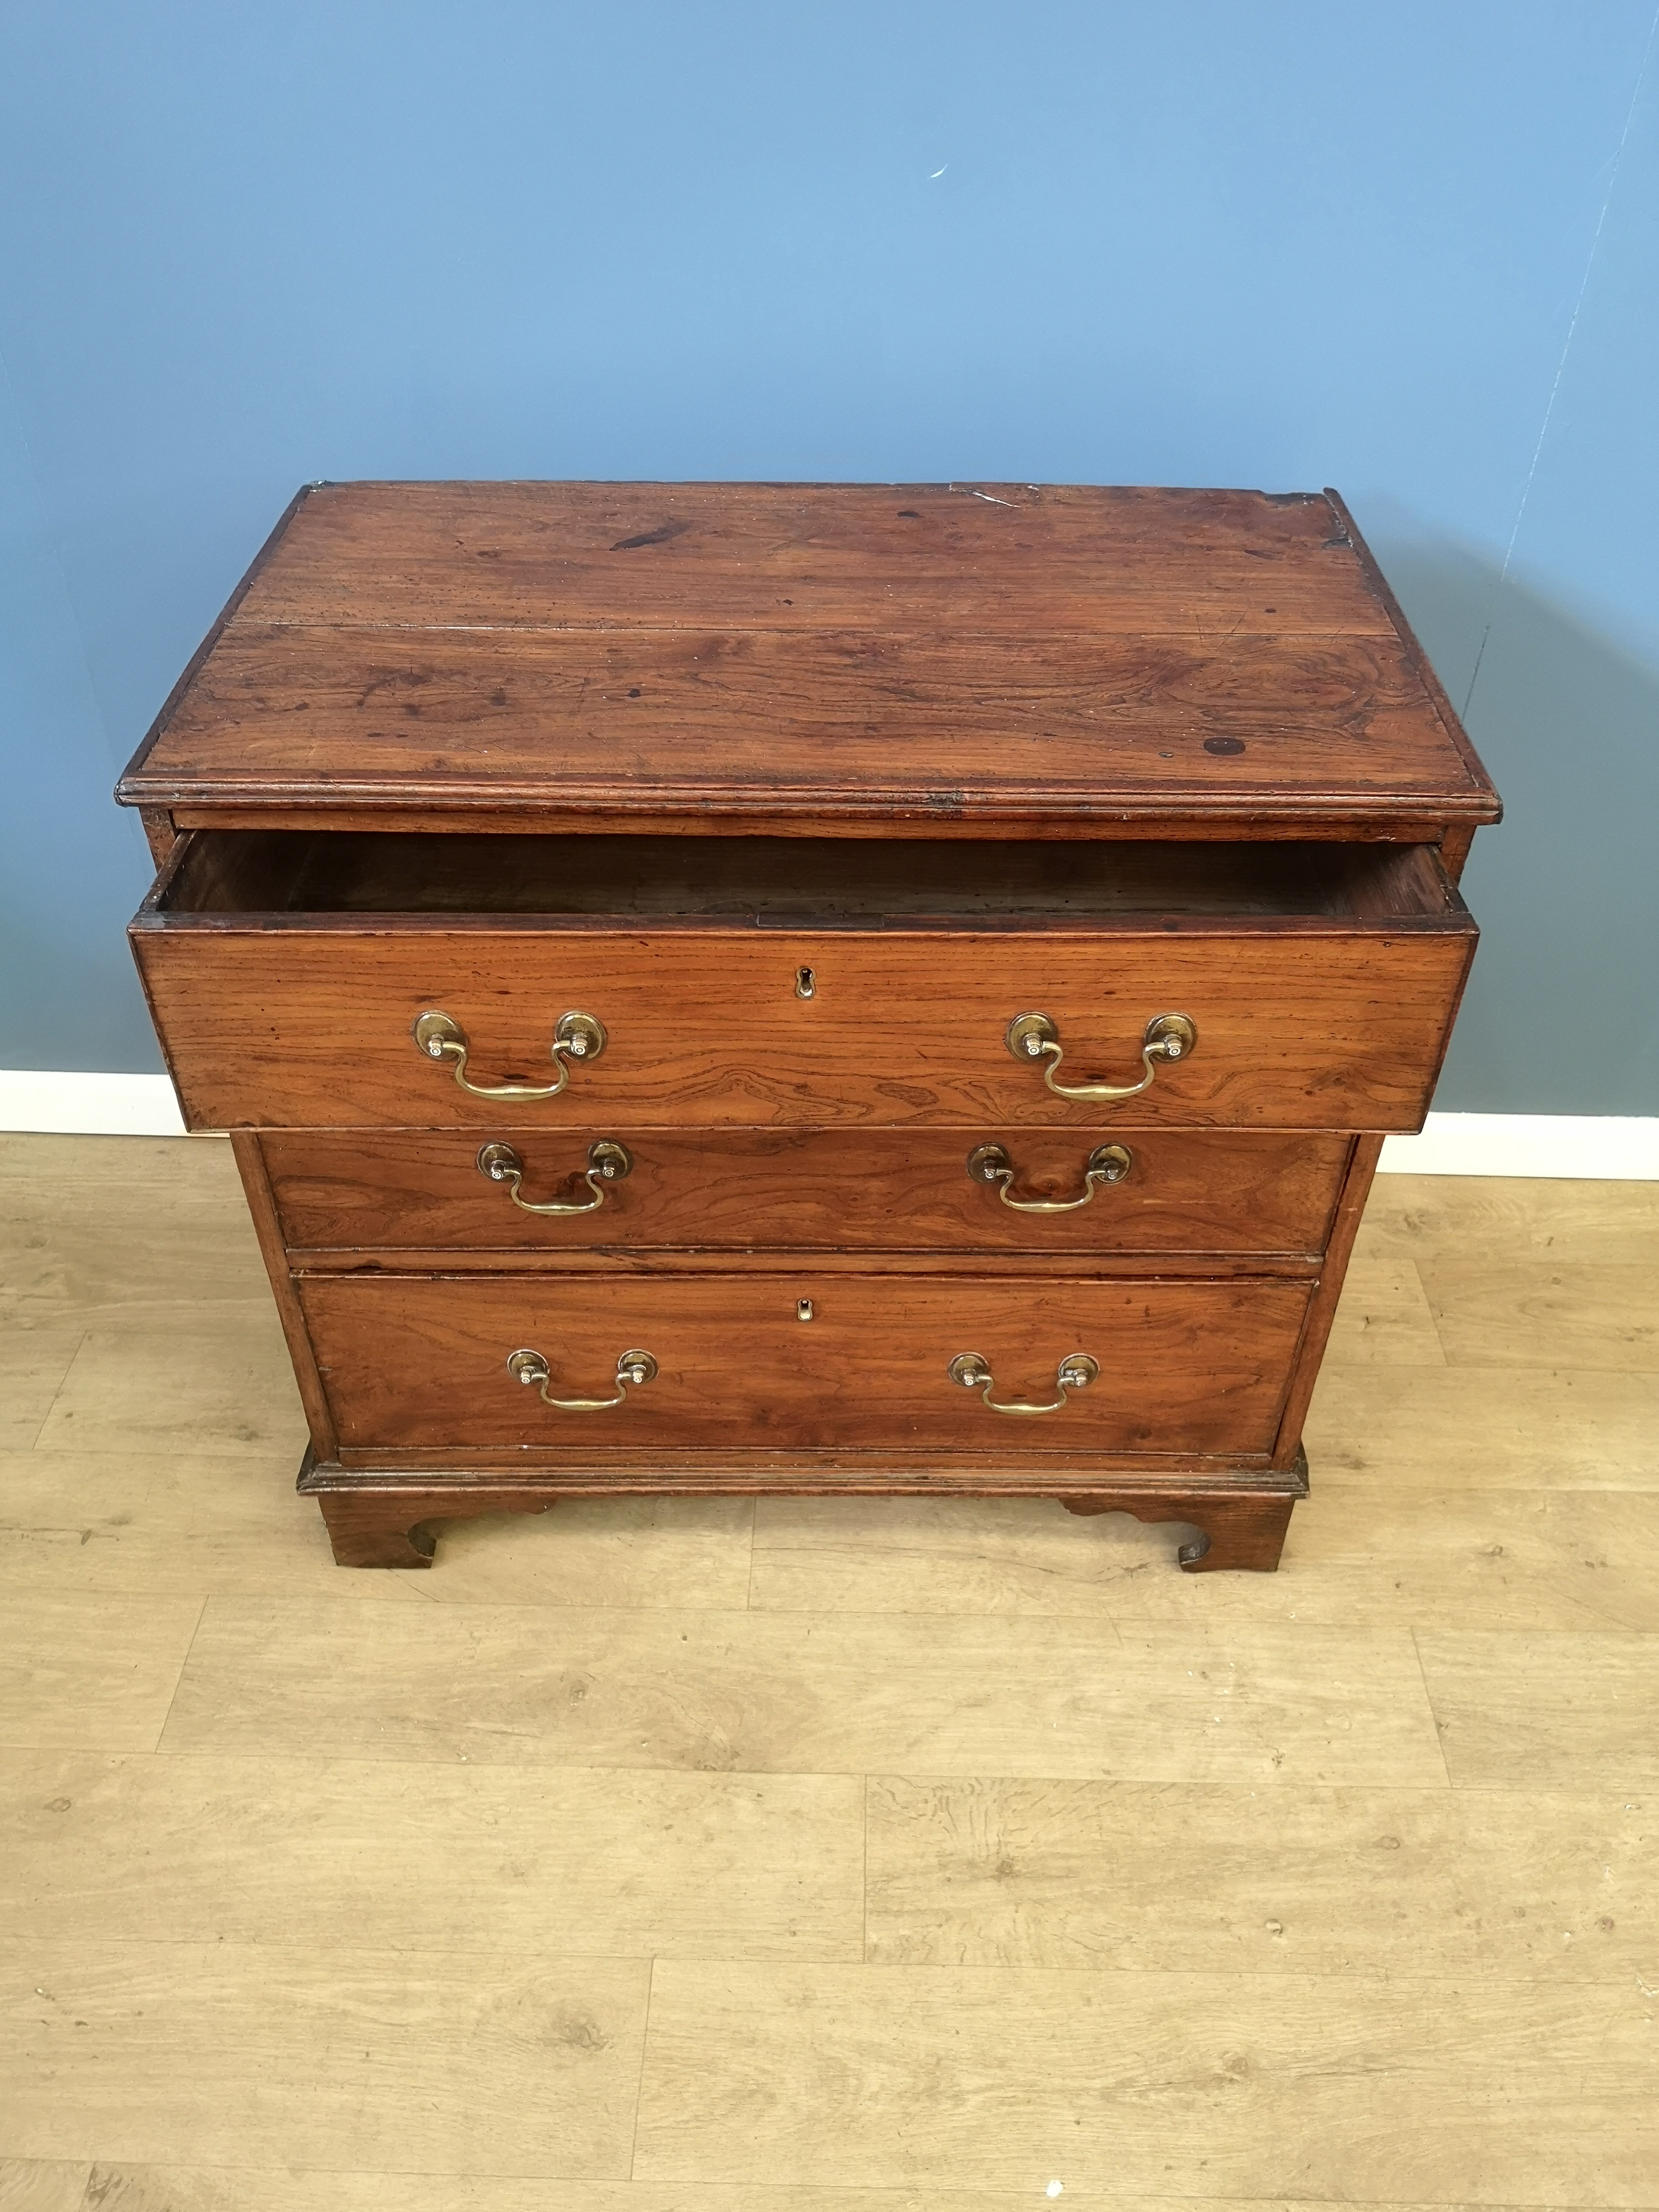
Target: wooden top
[(932, 656)]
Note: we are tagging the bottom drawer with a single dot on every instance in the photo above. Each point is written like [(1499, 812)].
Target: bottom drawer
[(420, 1363)]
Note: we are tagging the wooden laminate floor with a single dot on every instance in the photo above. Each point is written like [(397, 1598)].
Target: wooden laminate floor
[(829, 1856)]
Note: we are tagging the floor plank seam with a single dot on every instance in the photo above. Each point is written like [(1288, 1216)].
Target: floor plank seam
[(795, 1959), (864, 1868), (177, 1680), (63, 1385), (518, 1948), (1434, 1717), (1434, 1317), (899, 2197), (903, 2195), (639, 2086), (944, 1777)]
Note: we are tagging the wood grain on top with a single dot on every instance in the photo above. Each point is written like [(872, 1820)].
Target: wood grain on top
[(925, 653)]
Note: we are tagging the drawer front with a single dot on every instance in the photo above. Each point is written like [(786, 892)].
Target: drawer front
[(420, 1363), (807, 1190), (1301, 1023)]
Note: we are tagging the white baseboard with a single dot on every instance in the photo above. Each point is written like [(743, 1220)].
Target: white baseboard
[(1599, 1147), (1590, 1147), (77, 1105)]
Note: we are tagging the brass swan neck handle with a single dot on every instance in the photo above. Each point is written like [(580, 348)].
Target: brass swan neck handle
[(575, 1038), (607, 1161), (1168, 1037), (990, 1164), (1075, 1372), (634, 1370)]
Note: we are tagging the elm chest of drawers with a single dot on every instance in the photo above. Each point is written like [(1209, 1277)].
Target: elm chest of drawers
[(831, 989)]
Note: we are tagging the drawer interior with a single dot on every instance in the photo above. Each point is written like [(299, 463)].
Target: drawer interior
[(790, 883)]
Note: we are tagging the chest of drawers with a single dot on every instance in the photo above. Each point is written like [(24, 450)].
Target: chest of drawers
[(825, 988)]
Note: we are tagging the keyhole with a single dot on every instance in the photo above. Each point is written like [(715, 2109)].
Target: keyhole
[(806, 983)]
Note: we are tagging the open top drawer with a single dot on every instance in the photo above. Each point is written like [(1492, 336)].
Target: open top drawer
[(317, 979)]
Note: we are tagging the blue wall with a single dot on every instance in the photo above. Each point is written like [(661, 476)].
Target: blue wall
[(1285, 244)]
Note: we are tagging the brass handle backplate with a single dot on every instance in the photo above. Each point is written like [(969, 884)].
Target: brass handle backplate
[(1075, 1372), (634, 1370), (991, 1164), (575, 1038), (1168, 1037), (607, 1161)]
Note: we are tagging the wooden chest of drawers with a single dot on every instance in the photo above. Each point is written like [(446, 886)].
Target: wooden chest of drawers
[(729, 988)]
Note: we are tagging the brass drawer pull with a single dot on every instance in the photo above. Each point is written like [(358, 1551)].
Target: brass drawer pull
[(607, 1161), (440, 1036), (635, 1367), (991, 1164), (1073, 1373), (1169, 1036)]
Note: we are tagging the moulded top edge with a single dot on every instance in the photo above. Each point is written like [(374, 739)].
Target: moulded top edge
[(824, 813)]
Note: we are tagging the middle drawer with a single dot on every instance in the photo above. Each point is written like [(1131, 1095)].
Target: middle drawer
[(1265, 1193)]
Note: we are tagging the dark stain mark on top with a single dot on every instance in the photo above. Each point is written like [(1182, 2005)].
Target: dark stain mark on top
[(1225, 745), (634, 693), (660, 536), (909, 514), (390, 681)]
